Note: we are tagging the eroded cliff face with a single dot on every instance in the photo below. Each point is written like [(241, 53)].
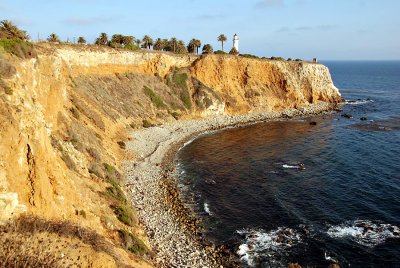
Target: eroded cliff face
[(251, 85), (64, 116)]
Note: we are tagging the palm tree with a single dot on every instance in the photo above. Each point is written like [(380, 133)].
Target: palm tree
[(192, 45), (159, 44), (102, 39), (174, 43), (81, 40), (117, 39), (222, 38), (127, 40), (53, 38), (207, 49), (147, 42), (198, 45), (138, 42), (181, 48), (11, 31)]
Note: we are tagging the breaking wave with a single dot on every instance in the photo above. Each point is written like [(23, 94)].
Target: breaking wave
[(271, 244), (365, 233)]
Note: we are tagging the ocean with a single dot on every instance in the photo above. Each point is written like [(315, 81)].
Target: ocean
[(314, 194)]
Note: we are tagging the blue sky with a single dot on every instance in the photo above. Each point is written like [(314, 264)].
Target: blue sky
[(327, 29)]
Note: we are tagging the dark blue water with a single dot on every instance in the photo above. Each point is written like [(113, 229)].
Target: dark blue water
[(287, 191)]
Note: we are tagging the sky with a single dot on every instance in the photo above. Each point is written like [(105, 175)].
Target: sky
[(326, 29)]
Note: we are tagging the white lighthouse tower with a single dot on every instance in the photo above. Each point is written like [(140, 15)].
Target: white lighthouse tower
[(236, 42)]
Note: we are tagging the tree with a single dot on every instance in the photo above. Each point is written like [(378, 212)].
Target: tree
[(159, 44), (117, 39), (198, 45), (102, 39), (192, 46), (234, 51), (173, 43), (9, 30), (53, 38), (127, 40), (222, 39), (208, 49), (81, 40), (181, 48), (147, 42), (138, 42)]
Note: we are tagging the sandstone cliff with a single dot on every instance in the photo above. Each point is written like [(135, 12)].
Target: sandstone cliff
[(64, 117)]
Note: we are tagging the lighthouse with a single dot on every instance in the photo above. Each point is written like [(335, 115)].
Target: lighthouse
[(236, 42)]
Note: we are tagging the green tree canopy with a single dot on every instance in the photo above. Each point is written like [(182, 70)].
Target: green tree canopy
[(9, 30), (192, 46), (147, 42), (159, 44), (208, 49), (234, 51), (81, 40), (102, 39), (53, 38)]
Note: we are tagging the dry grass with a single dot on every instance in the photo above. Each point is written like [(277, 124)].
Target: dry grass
[(18, 250)]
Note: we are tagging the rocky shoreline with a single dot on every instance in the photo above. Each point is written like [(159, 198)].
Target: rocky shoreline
[(175, 233)]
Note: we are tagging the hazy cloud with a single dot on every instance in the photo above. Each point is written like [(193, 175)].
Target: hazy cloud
[(210, 17), (87, 21), (307, 28), (303, 28), (269, 3)]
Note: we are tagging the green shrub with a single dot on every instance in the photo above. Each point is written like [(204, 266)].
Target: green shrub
[(18, 47), (155, 99), (277, 58), (249, 56), (125, 214), (179, 79), (147, 123), (82, 213), (298, 60), (175, 115), (220, 52), (114, 191), (132, 47), (132, 243)]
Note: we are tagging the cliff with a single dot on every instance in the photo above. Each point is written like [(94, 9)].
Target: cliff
[(64, 116)]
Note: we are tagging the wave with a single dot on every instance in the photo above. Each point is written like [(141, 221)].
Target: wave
[(271, 244), (358, 102), (365, 232), (298, 166), (207, 209)]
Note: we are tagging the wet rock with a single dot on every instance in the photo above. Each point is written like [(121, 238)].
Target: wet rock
[(313, 123), (363, 118), (348, 116)]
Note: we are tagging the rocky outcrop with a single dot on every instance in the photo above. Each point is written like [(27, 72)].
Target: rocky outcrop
[(10, 207), (252, 85)]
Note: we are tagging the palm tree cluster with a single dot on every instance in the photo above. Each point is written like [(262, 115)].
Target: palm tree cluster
[(161, 44), (53, 38), (9, 30)]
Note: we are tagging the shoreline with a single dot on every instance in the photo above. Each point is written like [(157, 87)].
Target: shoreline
[(174, 231)]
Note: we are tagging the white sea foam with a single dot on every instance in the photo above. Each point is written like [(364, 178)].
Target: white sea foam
[(260, 243), (207, 209), (365, 233), (358, 102), (300, 166)]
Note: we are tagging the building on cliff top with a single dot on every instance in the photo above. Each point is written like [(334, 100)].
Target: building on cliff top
[(236, 42)]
